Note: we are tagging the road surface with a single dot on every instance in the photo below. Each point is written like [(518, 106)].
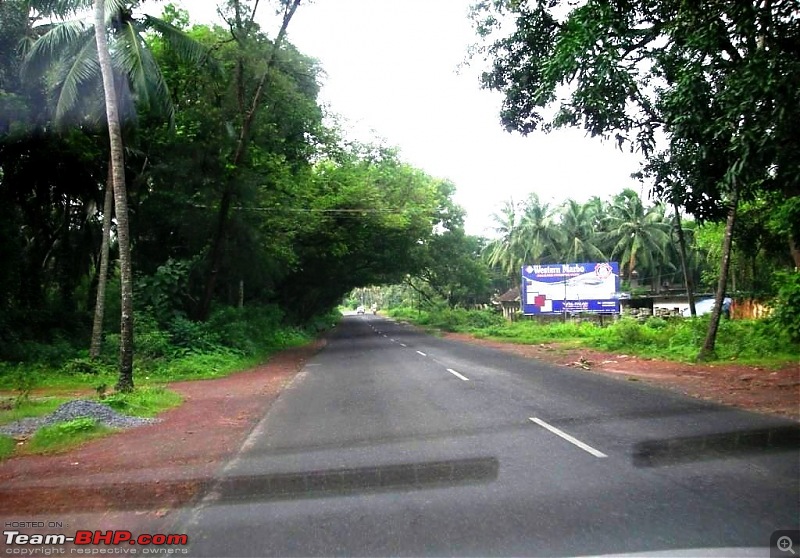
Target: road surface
[(391, 442)]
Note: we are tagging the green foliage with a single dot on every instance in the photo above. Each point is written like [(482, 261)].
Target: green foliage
[(449, 319), (203, 366), (786, 304), (188, 336), (247, 330), (714, 79), (150, 341), (12, 411), (165, 291), (65, 435), (85, 366), (7, 446), (673, 339), (143, 402)]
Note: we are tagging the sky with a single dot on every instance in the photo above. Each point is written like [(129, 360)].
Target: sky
[(394, 71)]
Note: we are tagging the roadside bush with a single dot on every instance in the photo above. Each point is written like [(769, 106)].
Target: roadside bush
[(677, 339), (249, 329), (786, 305), (623, 334), (190, 336), (77, 366)]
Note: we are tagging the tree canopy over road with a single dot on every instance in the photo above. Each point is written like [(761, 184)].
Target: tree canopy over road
[(195, 169), (236, 189)]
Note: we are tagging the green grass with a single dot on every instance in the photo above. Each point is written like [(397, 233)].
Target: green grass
[(232, 340), (13, 410), (143, 402), (66, 435), (7, 446), (758, 342)]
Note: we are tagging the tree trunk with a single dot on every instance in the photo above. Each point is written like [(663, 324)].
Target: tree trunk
[(125, 380), (687, 279), (707, 352), (238, 156), (795, 251), (102, 280)]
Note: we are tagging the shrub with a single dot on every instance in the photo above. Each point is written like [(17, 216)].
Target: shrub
[(786, 313), (193, 336), (150, 342), (77, 366)]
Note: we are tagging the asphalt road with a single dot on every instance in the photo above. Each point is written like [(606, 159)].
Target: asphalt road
[(395, 443)]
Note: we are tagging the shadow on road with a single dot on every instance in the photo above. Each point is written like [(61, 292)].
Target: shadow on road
[(656, 453)]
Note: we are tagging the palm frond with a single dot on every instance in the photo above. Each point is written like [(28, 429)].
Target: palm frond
[(60, 8), (52, 45), (160, 99), (82, 68), (114, 8), (186, 48), (128, 56), (134, 60)]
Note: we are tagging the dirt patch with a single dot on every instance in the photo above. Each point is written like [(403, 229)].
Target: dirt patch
[(759, 389), (157, 467)]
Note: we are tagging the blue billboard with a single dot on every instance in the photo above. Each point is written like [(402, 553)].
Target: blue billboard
[(579, 287)]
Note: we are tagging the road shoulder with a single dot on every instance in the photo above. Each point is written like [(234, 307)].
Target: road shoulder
[(754, 388), (159, 467)]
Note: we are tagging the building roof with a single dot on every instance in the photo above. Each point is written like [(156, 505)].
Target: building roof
[(512, 295)]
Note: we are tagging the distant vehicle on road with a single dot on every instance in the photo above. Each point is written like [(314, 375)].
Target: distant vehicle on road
[(360, 310)]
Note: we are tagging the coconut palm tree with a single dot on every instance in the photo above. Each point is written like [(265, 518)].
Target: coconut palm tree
[(74, 56), (580, 237), (501, 252), (125, 380), (639, 235), (67, 54), (538, 236)]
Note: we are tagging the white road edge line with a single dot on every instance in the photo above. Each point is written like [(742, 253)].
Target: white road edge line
[(403, 345), (585, 447), (421, 353), (457, 375)]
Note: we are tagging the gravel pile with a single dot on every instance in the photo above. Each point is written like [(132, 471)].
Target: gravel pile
[(73, 410)]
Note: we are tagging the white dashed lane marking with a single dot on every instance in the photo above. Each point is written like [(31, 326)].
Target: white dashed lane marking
[(457, 375), (568, 438)]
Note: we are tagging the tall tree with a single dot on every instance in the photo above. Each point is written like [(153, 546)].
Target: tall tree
[(501, 252), (68, 52), (580, 237), (639, 235), (95, 345), (125, 379), (538, 235), (241, 29)]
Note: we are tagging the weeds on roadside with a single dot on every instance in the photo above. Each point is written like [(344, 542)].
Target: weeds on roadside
[(65, 435), (757, 341), (7, 446)]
